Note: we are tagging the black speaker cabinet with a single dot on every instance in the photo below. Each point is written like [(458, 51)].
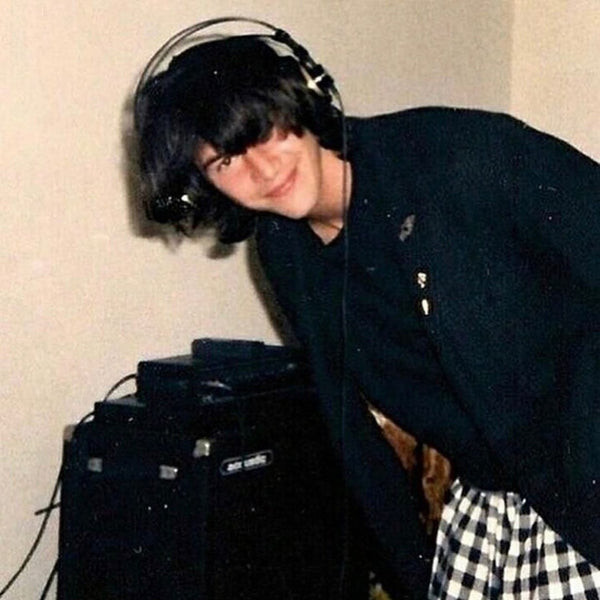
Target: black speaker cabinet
[(214, 482)]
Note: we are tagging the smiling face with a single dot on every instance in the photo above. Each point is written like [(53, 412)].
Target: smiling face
[(282, 175), (237, 95)]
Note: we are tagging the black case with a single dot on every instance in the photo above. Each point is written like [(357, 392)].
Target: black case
[(214, 482)]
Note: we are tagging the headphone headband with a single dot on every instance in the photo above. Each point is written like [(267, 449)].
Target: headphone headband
[(317, 77)]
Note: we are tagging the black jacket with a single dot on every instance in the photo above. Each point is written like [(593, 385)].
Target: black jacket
[(494, 228)]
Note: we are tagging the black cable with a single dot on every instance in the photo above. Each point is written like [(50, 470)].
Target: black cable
[(38, 538), (118, 385), (47, 512), (51, 506), (50, 580), (345, 278), (347, 534)]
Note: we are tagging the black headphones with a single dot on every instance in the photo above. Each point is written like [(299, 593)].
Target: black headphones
[(317, 78)]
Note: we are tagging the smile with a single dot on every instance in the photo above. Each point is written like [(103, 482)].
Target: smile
[(281, 189)]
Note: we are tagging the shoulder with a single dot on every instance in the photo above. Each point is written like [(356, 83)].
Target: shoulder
[(466, 128), (431, 141), (433, 120), (438, 138), (431, 137)]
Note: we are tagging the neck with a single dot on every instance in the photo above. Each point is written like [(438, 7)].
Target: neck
[(327, 218)]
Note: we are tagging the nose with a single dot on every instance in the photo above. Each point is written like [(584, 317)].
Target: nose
[(262, 160)]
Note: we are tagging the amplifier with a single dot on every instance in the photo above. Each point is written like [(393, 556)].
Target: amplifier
[(214, 482)]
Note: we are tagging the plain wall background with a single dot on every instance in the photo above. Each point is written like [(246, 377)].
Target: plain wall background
[(84, 296)]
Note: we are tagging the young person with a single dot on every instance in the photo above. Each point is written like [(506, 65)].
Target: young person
[(443, 268)]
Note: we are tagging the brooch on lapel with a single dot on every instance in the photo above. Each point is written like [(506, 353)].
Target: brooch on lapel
[(422, 281), (406, 228)]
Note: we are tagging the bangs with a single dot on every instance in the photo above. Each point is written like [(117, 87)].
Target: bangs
[(246, 119)]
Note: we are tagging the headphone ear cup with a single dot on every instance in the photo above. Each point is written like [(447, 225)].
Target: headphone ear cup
[(170, 208), (317, 78), (320, 84), (290, 65)]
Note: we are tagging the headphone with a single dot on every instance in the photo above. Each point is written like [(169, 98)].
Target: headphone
[(317, 79)]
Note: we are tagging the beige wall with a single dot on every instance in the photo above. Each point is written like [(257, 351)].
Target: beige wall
[(84, 296), (556, 69)]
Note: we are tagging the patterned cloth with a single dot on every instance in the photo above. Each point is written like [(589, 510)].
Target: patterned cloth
[(494, 545)]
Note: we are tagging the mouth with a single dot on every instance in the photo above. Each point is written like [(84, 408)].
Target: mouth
[(282, 188)]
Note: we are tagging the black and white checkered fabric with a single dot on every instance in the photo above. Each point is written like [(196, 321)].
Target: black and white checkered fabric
[(494, 545)]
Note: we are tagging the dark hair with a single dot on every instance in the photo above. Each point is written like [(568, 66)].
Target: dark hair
[(229, 93)]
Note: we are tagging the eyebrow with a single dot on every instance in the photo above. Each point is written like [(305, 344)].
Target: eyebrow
[(212, 160), (204, 164)]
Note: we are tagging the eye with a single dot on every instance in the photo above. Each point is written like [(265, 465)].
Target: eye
[(224, 162), (221, 164)]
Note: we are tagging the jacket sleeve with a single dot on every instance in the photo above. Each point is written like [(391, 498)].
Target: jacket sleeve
[(558, 204), (559, 217)]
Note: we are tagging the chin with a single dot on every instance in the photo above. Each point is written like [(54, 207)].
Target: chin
[(293, 208)]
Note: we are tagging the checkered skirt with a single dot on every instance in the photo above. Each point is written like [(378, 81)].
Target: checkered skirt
[(494, 545)]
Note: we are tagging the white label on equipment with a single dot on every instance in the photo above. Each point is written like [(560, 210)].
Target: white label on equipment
[(249, 462)]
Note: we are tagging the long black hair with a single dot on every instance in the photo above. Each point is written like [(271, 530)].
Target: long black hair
[(229, 93)]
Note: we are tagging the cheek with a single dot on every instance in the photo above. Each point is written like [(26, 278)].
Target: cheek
[(240, 192), (234, 188), (313, 170)]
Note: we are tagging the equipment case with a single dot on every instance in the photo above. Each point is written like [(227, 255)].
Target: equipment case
[(214, 482)]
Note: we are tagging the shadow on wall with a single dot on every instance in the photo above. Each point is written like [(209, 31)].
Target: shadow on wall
[(140, 224), (276, 316), (172, 238)]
